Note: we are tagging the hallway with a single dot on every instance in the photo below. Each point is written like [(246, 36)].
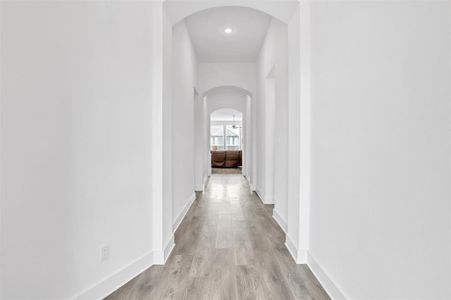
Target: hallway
[(227, 247), (111, 113)]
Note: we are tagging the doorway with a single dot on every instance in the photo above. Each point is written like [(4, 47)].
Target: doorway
[(226, 140)]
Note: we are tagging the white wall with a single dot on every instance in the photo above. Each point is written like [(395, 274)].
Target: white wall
[(184, 83), (76, 90), (226, 97), (299, 133), (167, 238), (212, 75), (248, 132), (201, 141), (380, 209), (206, 134), (293, 168), (280, 9), (272, 120)]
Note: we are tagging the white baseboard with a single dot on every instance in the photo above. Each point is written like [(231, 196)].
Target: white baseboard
[(302, 256), (182, 214), (299, 255), (168, 248), (116, 280), (201, 187), (291, 248), (158, 257), (251, 187), (262, 197), (282, 223), (161, 256), (326, 281), (205, 181)]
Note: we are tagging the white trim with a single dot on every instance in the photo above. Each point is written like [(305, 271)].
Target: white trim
[(299, 255), (178, 220), (117, 279), (262, 197), (279, 220), (302, 256), (251, 187), (156, 187), (168, 248), (326, 281), (205, 182), (158, 257), (305, 130), (257, 193), (291, 247)]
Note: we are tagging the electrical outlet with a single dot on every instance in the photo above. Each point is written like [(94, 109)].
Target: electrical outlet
[(105, 253)]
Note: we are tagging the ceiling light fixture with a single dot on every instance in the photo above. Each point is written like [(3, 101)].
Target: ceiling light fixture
[(228, 30)]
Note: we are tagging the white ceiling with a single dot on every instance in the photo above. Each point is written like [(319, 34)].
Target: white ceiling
[(243, 45), (226, 114)]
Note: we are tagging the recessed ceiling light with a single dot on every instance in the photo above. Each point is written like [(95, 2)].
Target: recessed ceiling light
[(228, 30)]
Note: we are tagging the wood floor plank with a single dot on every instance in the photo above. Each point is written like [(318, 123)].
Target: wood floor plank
[(250, 285), (227, 247)]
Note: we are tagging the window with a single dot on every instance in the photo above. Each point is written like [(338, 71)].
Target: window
[(233, 136), (225, 137), (217, 136)]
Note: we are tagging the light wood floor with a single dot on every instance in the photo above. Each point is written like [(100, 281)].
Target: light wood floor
[(226, 170), (227, 247)]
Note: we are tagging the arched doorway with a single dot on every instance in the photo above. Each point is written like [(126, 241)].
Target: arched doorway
[(239, 100), (226, 141)]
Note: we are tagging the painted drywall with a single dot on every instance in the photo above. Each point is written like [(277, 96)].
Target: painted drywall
[(76, 165), (272, 119), (213, 75), (242, 44), (294, 133), (380, 210), (201, 141), (248, 146), (279, 9), (227, 114), (167, 133), (226, 97), (183, 138), (206, 135), (299, 133)]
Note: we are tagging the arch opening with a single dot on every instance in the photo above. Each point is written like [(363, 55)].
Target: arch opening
[(219, 88), (178, 11), (226, 129), (238, 86)]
